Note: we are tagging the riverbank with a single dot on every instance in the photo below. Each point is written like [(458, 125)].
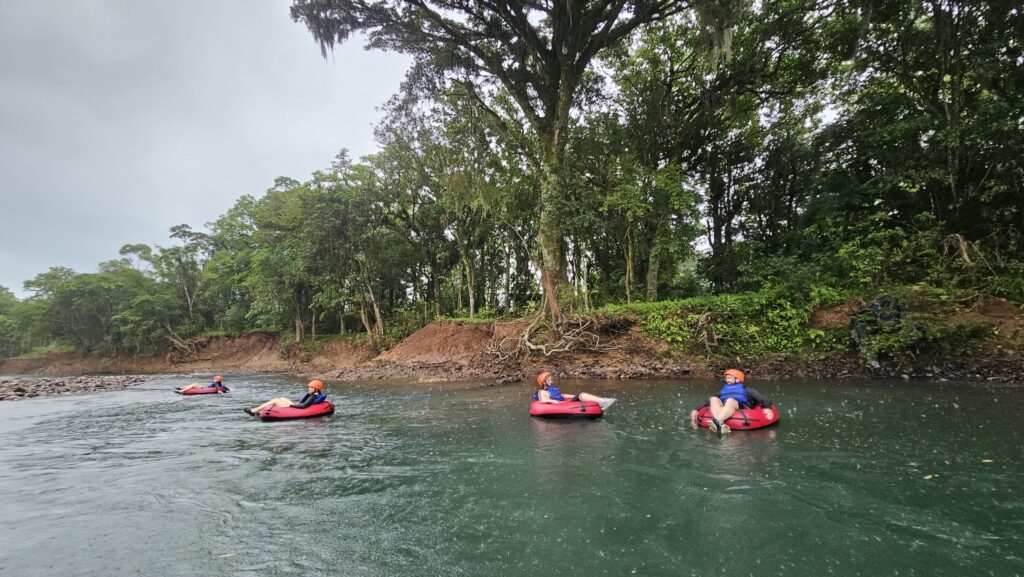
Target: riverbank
[(453, 351)]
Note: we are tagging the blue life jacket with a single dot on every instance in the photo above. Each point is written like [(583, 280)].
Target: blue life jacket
[(553, 392), (317, 398), (217, 385), (734, 391)]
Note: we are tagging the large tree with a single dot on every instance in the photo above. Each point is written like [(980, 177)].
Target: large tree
[(536, 53)]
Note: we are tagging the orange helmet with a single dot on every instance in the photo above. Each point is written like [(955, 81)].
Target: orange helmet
[(318, 385), (542, 377), (736, 373), (218, 379)]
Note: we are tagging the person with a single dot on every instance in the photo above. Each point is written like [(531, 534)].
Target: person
[(547, 392), (314, 394), (734, 394), (218, 381)]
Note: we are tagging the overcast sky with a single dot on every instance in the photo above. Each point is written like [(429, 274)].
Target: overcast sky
[(120, 119)]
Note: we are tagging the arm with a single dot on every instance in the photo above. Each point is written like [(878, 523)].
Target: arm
[(305, 402), (545, 398), (758, 398)]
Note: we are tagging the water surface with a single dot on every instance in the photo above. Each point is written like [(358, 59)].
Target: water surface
[(457, 479)]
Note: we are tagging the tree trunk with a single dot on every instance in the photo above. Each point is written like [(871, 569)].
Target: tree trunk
[(652, 276), (363, 317), (470, 286), (584, 287), (553, 274), (654, 260), (458, 300), (376, 313), (629, 264), (508, 281)]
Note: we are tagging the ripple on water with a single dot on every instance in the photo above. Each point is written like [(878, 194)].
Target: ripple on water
[(459, 480)]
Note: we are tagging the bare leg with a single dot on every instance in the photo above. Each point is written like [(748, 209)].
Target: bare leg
[(723, 411), (188, 387), (714, 405), (605, 402), (278, 402)]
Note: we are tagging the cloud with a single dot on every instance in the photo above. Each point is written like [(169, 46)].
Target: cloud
[(121, 119)]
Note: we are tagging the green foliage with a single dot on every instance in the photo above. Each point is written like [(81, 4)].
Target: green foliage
[(1009, 283), (54, 347), (925, 324), (143, 326), (10, 344), (752, 161), (959, 338), (878, 254), (740, 325), (403, 323)]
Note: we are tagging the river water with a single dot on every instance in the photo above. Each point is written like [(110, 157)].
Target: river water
[(456, 479)]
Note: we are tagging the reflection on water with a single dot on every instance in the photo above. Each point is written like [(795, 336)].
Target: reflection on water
[(904, 478)]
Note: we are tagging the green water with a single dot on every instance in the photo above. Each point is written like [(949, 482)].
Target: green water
[(457, 479)]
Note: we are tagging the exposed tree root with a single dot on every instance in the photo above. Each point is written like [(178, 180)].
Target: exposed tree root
[(580, 334)]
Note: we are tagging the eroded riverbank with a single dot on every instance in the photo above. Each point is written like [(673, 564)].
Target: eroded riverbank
[(454, 351)]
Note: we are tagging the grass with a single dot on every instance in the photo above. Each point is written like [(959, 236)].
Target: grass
[(52, 348)]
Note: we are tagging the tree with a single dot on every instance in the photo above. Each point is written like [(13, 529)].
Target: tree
[(84, 308), (536, 53), (7, 301), (226, 270), (44, 285)]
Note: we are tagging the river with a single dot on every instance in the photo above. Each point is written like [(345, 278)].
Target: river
[(871, 479)]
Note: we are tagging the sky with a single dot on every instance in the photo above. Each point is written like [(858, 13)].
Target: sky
[(120, 119)]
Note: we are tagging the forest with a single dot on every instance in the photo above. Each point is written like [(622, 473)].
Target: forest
[(713, 163)]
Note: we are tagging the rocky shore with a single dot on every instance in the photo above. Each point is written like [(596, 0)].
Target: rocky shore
[(28, 387)]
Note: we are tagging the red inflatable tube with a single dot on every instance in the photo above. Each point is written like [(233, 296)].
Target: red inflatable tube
[(566, 410), (202, 391), (280, 413), (742, 419)]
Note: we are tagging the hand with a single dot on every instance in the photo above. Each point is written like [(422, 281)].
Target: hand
[(768, 414)]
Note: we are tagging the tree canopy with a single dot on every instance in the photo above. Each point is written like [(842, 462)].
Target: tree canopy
[(570, 156)]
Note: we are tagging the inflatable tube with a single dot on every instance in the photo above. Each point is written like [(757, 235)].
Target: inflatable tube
[(201, 391), (280, 413), (742, 419), (566, 410)]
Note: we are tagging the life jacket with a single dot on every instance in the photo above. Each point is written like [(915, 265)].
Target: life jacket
[(553, 392), (317, 398), (734, 391), (220, 386)]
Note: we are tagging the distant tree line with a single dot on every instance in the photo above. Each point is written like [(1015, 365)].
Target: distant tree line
[(558, 158)]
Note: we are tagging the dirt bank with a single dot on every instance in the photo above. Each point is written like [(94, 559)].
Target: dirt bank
[(256, 352), (448, 350)]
